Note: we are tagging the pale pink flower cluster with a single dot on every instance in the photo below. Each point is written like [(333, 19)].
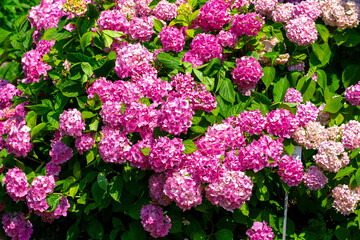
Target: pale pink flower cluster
[(127, 7), (71, 123), (283, 13), (340, 13), (213, 15), (301, 31), (154, 220), (281, 123), (309, 8), (84, 143), (264, 7), (165, 10), (156, 189), (352, 94), (293, 96), (16, 226), (133, 60), (331, 156), (16, 184), (306, 112), (248, 24), (166, 154), (351, 135), (114, 146), (230, 190), (314, 178), (172, 39), (291, 170), (183, 190), (311, 136), (204, 47), (300, 67), (227, 39), (141, 29), (260, 231), (247, 73), (175, 115), (345, 199)]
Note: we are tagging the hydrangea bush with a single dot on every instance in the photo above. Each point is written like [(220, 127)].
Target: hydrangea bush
[(141, 119)]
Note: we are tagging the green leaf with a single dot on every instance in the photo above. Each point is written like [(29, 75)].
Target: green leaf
[(224, 234), (280, 89), (71, 88), (353, 37), (245, 209), (39, 109), (86, 67), (189, 146), (86, 39), (97, 192), (224, 106), (115, 188), (90, 156), (158, 25), (73, 232), (53, 201), (52, 34), (334, 105), (95, 229), (262, 193), (193, 3), (323, 31), (35, 131), (102, 181), (322, 52), (344, 172), (153, 4), (322, 78), (227, 91), (145, 151), (350, 75), (169, 61), (357, 176), (261, 98), (309, 91), (269, 75), (87, 114), (30, 119), (213, 67), (77, 170), (3, 34)]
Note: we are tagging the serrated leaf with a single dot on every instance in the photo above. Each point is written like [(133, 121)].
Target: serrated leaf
[(87, 114), (189, 146), (52, 34), (269, 75), (227, 91), (158, 25), (323, 31), (245, 209), (169, 61), (86, 67), (280, 89), (224, 234), (77, 170), (334, 105), (115, 188), (95, 229), (73, 232), (30, 119), (53, 201), (71, 88), (86, 39), (344, 172), (35, 131), (351, 75)]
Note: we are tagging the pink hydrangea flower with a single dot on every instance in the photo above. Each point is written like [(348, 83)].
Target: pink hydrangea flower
[(345, 199), (183, 190), (306, 112), (307, 8), (71, 123), (61, 210), (265, 7), (206, 46), (248, 24), (136, 157), (103, 88), (227, 39), (52, 169), (141, 29), (291, 170), (156, 189), (33, 66), (18, 140), (314, 178), (283, 13), (247, 73), (310, 136), (114, 146), (172, 39), (238, 4), (154, 220), (166, 154), (175, 115), (300, 67), (16, 226), (111, 114), (260, 231), (213, 15), (113, 20), (351, 135), (84, 143), (293, 96), (301, 31), (40, 187), (16, 184), (352, 94), (60, 153), (281, 123), (252, 122), (7, 92), (230, 190), (142, 7), (332, 156), (165, 11)]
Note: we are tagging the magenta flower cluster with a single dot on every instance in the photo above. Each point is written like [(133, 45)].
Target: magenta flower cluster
[(16, 226), (291, 170), (293, 96), (172, 39), (352, 94), (213, 15), (247, 73), (260, 231), (16, 184), (281, 123), (154, 220), (314, 178), (71, 123)]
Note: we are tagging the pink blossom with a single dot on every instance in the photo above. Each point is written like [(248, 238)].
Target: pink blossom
[(16, 226), (293, 96), (113, 20), (281, 123), (141, 29), (314, 178), (154, 220), (306, 112), (247, 73), (351, 135), (332, 156), (165, 11), (213, 15), (352, 94), (345, 199), (291, 170), (40, 187), (71, 123), (283, 13), (248, 24), (156, 189), (260, 231), (84, 143), (301, 31), (172, 39), (16, 184), (60, 153)]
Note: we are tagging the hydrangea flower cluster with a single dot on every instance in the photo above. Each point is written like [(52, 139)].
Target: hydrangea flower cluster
[(345, 199), (40, 187), (311, 136), (306, 112), (352, 94), (60, 153), (172, 39), (252, 122), (33, 66), (165, 153), (307, 8), (18, 140), (213, 15), (16, 184), (291, 170), (301, 31), (154, 220), (264, 7), (281, 123), (283, 13), (16, 226), (351, 135), (248, 24), (165, 10), (136, 157), (331, 156), (7, 92), (141, 29), (84, 143), (113, 20), (156, 189), (183, 190), (71, 123), (314, 178), (247, 73), (227, 39), (293, 96), (230, 190), (260, 231)]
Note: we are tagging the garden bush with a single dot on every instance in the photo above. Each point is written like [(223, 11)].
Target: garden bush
[(181, 120)]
